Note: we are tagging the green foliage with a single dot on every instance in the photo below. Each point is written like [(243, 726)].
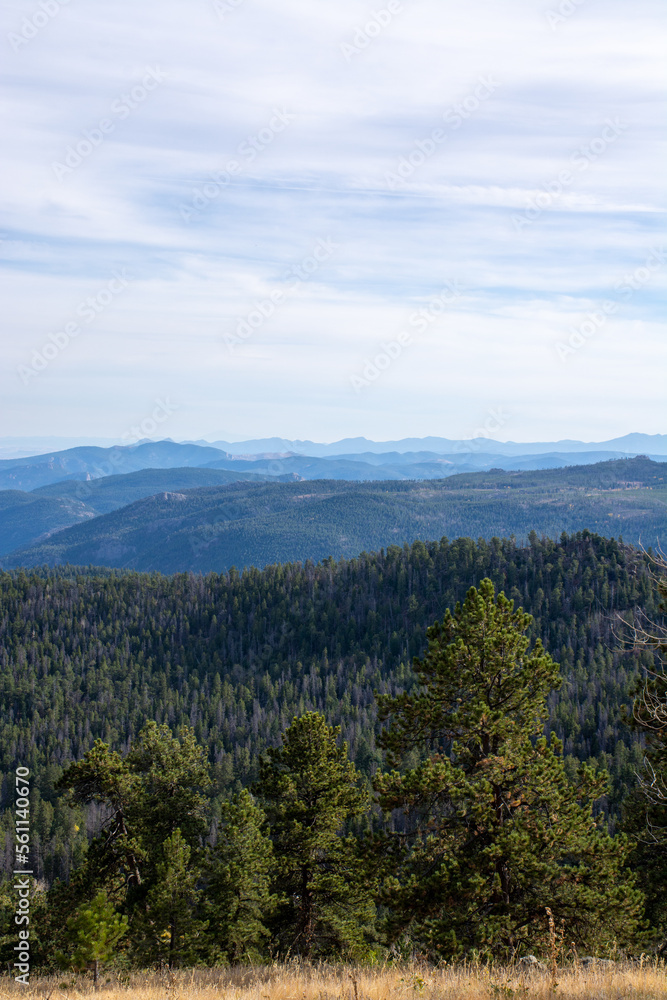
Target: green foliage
[(7, 931), (88, 655), (93, 934), (478, 683), (496, 832), (43, 943), (149, 794), (238, 899), (170, 775), (490, 821), (166, 928), (310, 789), (104, 778)]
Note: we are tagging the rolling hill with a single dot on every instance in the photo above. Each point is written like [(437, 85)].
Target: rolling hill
[(241, 524), (28, 517)]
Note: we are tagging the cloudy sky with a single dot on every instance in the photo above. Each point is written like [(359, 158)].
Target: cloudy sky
[(331, 218)]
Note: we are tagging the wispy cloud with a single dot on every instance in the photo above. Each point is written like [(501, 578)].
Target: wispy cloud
[(224, 75)]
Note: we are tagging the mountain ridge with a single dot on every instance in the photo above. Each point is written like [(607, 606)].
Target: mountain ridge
[(277, 457), (632, 443), (212, 528)]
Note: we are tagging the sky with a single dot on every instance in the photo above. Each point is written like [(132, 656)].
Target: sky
[(227, 219)]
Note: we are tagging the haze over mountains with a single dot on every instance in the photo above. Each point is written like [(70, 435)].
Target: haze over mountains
[(352, 459), (629, 444)]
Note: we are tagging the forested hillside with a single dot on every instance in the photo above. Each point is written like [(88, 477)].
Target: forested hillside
[(95, 653), (26, 517), (213, 529)]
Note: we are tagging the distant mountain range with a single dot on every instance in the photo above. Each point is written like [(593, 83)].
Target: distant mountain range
[(357, 460), (629, 444), (184, 519)]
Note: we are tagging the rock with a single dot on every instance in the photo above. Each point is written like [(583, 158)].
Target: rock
[(590, 960), (530, 962)]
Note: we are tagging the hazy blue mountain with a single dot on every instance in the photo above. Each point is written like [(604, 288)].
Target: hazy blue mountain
[(410, 465), (313, 468), (629, 444), (91, 462), (243, 524), (443, 465), (10, 498), (398, 458)]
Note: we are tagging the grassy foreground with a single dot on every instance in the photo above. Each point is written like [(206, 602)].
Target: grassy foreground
[(337, 982)]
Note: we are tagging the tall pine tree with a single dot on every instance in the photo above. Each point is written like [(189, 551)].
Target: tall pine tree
[(167, 929), (238, 900), (310, 790), (496, 833), (151, 793)]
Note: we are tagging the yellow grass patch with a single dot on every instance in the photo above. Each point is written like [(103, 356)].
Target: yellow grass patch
[(298, 981)]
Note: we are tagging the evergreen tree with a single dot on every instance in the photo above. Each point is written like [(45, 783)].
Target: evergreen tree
[(87, 653), (310, 789), (238, 899), (41, 941), (93, 933), (167, 929), (116, 855), (172, 774), (7, 931), (150, 793), (496, 831)]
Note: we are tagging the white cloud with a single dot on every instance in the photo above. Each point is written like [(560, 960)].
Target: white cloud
[(324, 175)]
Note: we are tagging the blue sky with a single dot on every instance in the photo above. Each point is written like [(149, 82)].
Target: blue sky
[(242, 206)]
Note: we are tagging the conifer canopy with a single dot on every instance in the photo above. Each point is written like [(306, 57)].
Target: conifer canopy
[(494, 831)]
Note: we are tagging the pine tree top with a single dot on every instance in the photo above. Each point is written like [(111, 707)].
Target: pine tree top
[(480, 682)]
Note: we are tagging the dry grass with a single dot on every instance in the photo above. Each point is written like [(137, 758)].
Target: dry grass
[(338, 982)]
